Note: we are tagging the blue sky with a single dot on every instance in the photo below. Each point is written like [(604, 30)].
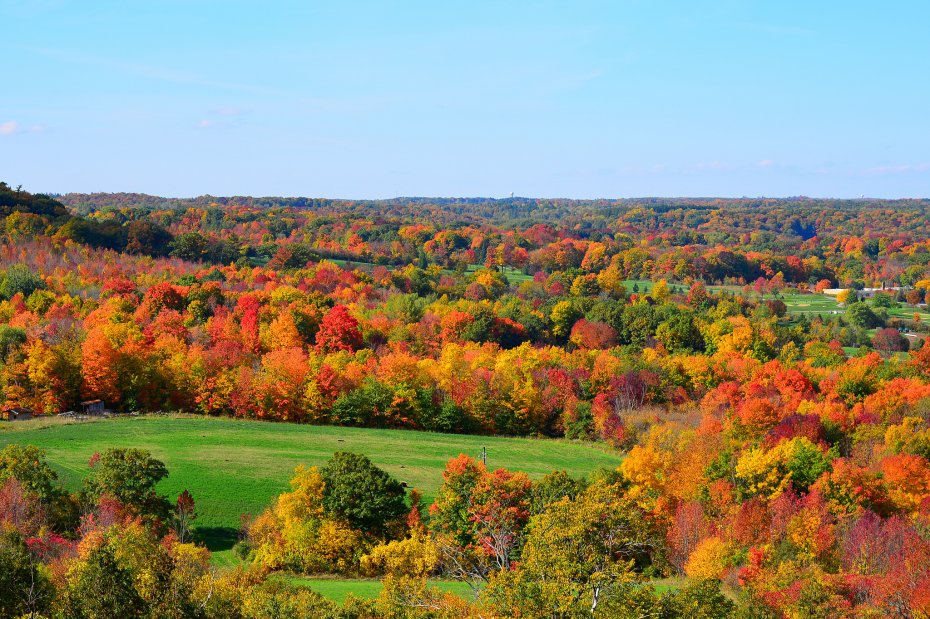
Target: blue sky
[(467, 98)]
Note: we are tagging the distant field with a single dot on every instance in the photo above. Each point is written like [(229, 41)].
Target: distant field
[(642, 285), (816, 303), (907, 313), (811, 304), (235, 467), (354, 264), (514, 276)]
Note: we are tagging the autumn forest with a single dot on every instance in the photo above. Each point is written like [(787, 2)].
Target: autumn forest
[(759, 368)]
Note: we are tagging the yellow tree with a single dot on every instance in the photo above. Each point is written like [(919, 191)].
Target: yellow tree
[(579, 555), (843, 296)]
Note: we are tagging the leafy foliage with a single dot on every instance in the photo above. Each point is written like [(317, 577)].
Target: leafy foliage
[(361, 493)]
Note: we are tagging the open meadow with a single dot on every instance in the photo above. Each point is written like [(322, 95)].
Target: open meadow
[(234, 467)]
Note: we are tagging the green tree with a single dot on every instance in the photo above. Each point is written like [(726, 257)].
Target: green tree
[(450, 511), (26, 463), (365, 406), (861, 315), (190, 246), (99, 587), (25, 590), (407, 307), (678, 333), (481, 329), (579, 559), (564, 314), (107, 234), (129, 476), (11, 339), (361, 493), (146, 237), (805, 461), (885, 300), (639, 323), (702, 600), (552, 488), (19, 279)]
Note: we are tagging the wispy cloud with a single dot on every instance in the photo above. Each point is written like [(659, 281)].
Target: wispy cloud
[(9, 127), (205, 123)]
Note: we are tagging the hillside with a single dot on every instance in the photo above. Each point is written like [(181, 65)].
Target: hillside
[(18, 201), (238, 467)]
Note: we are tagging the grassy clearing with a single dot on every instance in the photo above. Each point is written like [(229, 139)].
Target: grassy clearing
[(642, 285), (907, 313), (337, 589), (514, 276), (353, 264), (810, 304), (235, 467), (669, 585)]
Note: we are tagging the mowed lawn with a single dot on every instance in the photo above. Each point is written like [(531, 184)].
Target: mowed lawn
[(812, 304), (234, 467)]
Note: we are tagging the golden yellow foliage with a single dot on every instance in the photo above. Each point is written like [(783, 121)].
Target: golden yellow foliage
[(708, 560), (910, 436), (416, 556), (843, 296), (646, 468), (305, 501), (762, 472), (739, 337), (660, 291), (281, 333)]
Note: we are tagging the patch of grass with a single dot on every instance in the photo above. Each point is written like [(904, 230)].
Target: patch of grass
[(811, 304), (354, 264), (514, 276), (643, 286), (668, 585), (908, 313), (234, 467), (337, 589)]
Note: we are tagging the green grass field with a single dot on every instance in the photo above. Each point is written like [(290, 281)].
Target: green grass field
[(337, 589), (810, 304), (235, 467), (514, 276), (907, 313)]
